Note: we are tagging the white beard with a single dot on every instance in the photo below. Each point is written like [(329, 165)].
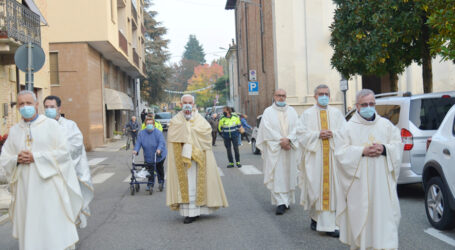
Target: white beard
[(188, 117)]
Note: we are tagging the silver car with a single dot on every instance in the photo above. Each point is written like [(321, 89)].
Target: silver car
[(164, 118), (418, 117)]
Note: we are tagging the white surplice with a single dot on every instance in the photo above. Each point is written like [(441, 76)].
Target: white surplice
[(79, 156), (46, 196), (279, 165), (311, 168), (368, 210)]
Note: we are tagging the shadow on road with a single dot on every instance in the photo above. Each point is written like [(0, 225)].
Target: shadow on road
[(411, 191)]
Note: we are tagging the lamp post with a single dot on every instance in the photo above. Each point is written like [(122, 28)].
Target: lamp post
[(344, 87)]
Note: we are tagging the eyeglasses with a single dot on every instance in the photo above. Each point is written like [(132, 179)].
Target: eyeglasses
[(366, 104), (282, 96), (323, 94)]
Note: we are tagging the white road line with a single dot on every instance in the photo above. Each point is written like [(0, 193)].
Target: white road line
[(127, 179), (220, 171), (440, 236), (249, 170), (96, 161), (102, 177)]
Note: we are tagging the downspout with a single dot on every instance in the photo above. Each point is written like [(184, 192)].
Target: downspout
[(239, 102), (306, 51)]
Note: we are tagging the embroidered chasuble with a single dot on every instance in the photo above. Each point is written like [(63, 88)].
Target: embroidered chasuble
[(325, 164)]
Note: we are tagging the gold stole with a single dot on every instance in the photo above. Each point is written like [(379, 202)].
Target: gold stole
[(182, 165), (325, 164)]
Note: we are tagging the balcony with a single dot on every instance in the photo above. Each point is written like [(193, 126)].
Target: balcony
[(134, 11), (19, 23), (135, 57), (123, 43)]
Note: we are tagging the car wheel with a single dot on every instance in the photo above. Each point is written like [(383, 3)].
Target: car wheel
[(437, 207), (255, 150)]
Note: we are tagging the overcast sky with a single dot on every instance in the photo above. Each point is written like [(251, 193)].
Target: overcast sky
[(213, 26)]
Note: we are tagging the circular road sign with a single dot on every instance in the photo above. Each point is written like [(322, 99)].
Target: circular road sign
[(21, 57)]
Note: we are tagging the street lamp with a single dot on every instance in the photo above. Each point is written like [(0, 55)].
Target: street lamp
[(344, 87)]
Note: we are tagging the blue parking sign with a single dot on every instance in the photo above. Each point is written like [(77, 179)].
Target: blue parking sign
[(253, 88)]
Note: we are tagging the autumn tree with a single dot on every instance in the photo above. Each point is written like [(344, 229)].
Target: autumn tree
[(204, 77), (156, 55), (442, 19)]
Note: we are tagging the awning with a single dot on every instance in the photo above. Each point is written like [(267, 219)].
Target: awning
[(35, 9), (116, 100)]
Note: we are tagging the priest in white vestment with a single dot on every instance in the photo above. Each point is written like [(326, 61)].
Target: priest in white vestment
[(194, 185), (46, 196), (320, 130), (368, 211), (52, 105), (277, 140)]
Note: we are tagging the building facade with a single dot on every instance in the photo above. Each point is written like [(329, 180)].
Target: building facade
[(295, 37), (97, 57), (20, 23), (231, 58)]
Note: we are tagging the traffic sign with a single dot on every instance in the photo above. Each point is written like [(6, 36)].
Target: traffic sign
[(21, 57), (253, 88), (252, 75)]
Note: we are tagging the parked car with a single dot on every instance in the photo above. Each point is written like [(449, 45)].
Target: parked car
[(439, 175), (418, 117), (254, 135), (164, 118)]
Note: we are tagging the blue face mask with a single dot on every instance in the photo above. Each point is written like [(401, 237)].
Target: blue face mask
[(323, 100), (367, 112), (280, 104), (27, 111), (149, 127), (51, 113)]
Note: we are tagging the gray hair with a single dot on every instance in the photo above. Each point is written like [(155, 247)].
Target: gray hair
[(280, 89), (27, 92), (321, 86), (362, 93), (186, 95)]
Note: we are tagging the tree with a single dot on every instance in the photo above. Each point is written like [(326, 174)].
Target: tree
[(203, 78), (381, 37), (156, 55), (222, 88), (442, 19), (194, 51)]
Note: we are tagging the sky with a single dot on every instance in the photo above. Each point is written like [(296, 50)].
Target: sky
[(213, 26)]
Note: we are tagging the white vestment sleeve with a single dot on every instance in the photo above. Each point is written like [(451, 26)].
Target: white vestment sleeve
[(309, 139), (8, 159), (394, 149)]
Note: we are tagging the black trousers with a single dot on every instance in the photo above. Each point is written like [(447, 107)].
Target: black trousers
[(214, 137), (245, 135), (159, 172), (235, 143)]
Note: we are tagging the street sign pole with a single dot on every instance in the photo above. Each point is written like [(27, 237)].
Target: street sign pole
[(344, 87), (29, 58), (29, 78)]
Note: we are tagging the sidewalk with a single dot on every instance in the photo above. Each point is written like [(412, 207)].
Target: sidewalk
[(112, 146)]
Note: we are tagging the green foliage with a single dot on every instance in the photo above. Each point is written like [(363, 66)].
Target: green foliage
[(442, 19), (204, 76), (194, 50), (156, 55), (222, 88)]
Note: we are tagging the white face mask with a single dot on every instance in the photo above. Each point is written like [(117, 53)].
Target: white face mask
[(187, 107), (188, 117)]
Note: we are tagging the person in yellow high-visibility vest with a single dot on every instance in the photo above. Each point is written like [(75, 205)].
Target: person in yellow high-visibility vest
[(157, 124), (229, 126)]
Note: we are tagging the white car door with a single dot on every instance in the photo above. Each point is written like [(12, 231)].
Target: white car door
[(448, 151)]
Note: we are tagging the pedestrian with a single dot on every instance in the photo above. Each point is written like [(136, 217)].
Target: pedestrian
[(368, 211), (132, 127), (229, 126), (277, 140), (214, 123), (143, 115), (52, 105), (320, 135), (245, 127), (194, 185), (157, 123), (153, 145), (46, 196)]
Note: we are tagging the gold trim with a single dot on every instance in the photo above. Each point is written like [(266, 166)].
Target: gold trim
[(325, 164), (199, 157), (181, 172)]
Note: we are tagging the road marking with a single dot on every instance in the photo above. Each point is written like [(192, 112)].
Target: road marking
[(249, 170), (102, 177), (440, 236), (96, 161), (127, 179), (220, 171)]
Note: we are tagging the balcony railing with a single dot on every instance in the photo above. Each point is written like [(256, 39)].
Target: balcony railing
[(123, 43), (135, 57), (19, 22)]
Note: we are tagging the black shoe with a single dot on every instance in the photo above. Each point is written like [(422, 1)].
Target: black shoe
[(280, 210), (160, 187), (231, 165), (335, 234), (314, 225), (189, 220), (239, 165)]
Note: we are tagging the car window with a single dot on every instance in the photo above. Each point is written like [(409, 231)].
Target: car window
[(391, 112), (350, 114), (163, 116), (428, 113)]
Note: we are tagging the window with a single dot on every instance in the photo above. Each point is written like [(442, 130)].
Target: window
[(391, 112), (53, 68), (164, 115), (428, 113)]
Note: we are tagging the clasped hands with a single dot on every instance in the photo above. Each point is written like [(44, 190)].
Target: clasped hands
[(285, 144), (374, 150), (325, 134), (25, 157)]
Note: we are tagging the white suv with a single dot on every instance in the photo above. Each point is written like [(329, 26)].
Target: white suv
[(439, 175)]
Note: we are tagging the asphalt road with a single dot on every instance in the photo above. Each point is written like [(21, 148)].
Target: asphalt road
[(122, 221)]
